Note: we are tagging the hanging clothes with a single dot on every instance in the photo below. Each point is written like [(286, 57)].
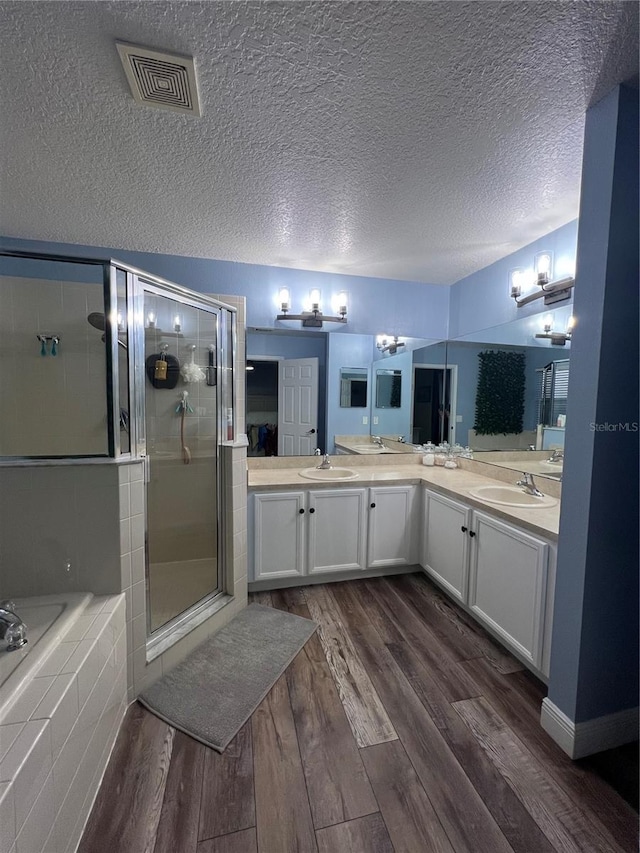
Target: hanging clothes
[(271, 440)]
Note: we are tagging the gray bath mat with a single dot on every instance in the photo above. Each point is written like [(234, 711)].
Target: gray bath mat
[(212, 693)]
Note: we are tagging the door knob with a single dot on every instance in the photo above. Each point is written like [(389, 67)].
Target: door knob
[(310, 432), (373, 506)]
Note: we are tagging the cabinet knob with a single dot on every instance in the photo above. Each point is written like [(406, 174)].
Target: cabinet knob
[(301, 511), (312, 510), (464, 529), (373, 506), (471, 534)]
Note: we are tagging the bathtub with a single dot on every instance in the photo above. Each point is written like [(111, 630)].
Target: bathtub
[(62, 697), (48, 618)]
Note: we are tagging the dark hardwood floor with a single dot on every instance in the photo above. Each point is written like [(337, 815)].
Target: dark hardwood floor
[(400, 726)]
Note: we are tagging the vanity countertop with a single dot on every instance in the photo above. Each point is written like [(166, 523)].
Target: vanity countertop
[(453, 483)]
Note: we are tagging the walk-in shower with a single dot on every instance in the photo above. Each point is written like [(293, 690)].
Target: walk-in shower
[(141, 370)]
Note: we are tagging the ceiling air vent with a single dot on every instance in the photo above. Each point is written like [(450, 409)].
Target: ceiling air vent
[(164, 80)]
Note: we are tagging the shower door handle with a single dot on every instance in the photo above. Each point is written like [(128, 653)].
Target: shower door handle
[(146, 462)]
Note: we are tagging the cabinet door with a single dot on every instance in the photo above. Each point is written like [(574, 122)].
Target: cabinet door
[(507, 584), (279, 534), (336, 523), (392, 526), (445, 543)]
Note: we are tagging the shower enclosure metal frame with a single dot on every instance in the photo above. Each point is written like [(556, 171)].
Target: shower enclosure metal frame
[(136, 282)]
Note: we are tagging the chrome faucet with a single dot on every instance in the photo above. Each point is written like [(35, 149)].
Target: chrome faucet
[(12, 628), (377, 440), (529, 485), (556, 456), (326, 463)]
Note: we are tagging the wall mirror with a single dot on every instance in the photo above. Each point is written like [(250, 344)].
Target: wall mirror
[(388, 389), (353, 387), (544, 404)]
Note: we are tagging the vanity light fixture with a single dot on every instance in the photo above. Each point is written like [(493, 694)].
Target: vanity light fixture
[(151, 320), (558, 339), (386, 345), (550, 291), (177, 323), (312, 318)]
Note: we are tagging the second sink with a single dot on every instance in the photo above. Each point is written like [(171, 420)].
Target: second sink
[(329, 473), (510, 496)]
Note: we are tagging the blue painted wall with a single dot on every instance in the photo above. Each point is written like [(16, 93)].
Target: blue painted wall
[(346, 351), (394, 422), (376, 305), (594, 663), (482, 299)]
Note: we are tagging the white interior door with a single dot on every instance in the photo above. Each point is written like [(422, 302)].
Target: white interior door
[(297, 406)]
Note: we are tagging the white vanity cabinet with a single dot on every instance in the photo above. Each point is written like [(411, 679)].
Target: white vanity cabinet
[(337, 525), (445, 543), (298, 533), (392, 526), (279, 535), (496, 570), (508, 584), (331, 531)]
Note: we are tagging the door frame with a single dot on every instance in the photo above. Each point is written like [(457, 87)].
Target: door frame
[(453, 394), (140, 282)]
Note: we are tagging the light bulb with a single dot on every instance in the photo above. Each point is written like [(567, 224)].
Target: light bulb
[(314, 298), (283, 299), (120, 323), (151, 320), (515, 279), (177, 325), (342, 302), (543, 263)]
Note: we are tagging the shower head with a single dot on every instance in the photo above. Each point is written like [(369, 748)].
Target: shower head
[(97, 320)]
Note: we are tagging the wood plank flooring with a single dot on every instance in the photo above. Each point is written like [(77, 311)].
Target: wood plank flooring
[(400, 726)]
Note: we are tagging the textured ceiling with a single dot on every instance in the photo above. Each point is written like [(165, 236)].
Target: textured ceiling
[(409, 140)]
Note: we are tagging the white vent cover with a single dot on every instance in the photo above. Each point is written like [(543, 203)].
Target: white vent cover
[(164, 80)]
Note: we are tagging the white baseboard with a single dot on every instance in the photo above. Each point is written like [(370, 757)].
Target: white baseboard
[(581, 739)]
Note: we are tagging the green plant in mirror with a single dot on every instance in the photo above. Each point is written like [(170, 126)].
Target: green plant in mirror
[(500, 394)]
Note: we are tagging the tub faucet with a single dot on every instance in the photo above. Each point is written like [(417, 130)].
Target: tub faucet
[(529, 485), (12, 628)]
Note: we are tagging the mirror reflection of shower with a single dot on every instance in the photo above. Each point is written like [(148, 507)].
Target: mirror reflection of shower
[(98, 321)]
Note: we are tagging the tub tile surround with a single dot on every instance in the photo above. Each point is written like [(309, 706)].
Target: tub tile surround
[(56, 736)]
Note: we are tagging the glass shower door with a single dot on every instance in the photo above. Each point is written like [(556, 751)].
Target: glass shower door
[(180, 401)]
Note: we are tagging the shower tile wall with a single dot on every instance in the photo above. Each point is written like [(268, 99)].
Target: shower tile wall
[(57, 527), (52, 405)]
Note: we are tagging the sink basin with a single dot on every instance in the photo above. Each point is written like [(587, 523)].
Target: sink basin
[(331, 474), (368, 448), (554, 467), (510, 496)]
